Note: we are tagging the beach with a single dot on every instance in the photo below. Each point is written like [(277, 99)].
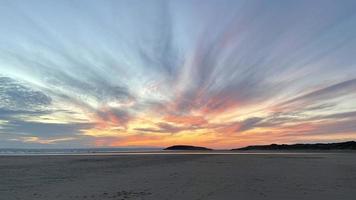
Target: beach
[(179, 176)]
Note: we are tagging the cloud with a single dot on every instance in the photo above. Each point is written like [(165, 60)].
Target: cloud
[(232, 69), (333, 91), (41, 129), (250, 123), (165, 128), (15, 96), (186, 120), (10, 114), (43, 141), (342, 115), (111, 117)]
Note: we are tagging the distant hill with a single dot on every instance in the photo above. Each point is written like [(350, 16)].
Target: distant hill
[(351, 145), (186, 147)]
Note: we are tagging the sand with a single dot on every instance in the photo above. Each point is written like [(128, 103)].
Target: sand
[(179, 177)]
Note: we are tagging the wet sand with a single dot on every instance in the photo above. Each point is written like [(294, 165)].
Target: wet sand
[(178, 177)]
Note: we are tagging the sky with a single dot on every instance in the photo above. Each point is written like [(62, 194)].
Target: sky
[(153, 73)]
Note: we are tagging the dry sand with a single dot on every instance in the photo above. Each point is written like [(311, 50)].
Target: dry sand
[(179, 177)]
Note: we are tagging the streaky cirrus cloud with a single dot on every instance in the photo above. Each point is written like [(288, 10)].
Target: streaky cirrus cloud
[(155, 73)]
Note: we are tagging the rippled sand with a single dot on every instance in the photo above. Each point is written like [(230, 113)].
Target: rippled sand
[(179, 177)]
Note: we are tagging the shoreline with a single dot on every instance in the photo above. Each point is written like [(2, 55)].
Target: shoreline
[(178, 152)]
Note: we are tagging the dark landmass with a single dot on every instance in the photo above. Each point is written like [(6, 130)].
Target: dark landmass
[(351, 145), (186, 147)]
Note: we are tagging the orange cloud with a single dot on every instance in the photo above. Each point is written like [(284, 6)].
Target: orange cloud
[(186, 120)]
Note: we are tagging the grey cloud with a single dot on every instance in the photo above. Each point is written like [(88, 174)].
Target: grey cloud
[(338, 121), (148, 130), (19, 102), (44, 130), (163, 128), (338, 127), (333, 91), (16, 96), (15, 141), (121, 116), (218, 71), (11, 114), (168, 128), (321, 107), (84, 80), (157, 46), (326, 129), (249, 123), (343, 115), (66, 72)]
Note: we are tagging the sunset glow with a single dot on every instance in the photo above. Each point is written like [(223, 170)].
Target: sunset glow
[(221, 74)]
